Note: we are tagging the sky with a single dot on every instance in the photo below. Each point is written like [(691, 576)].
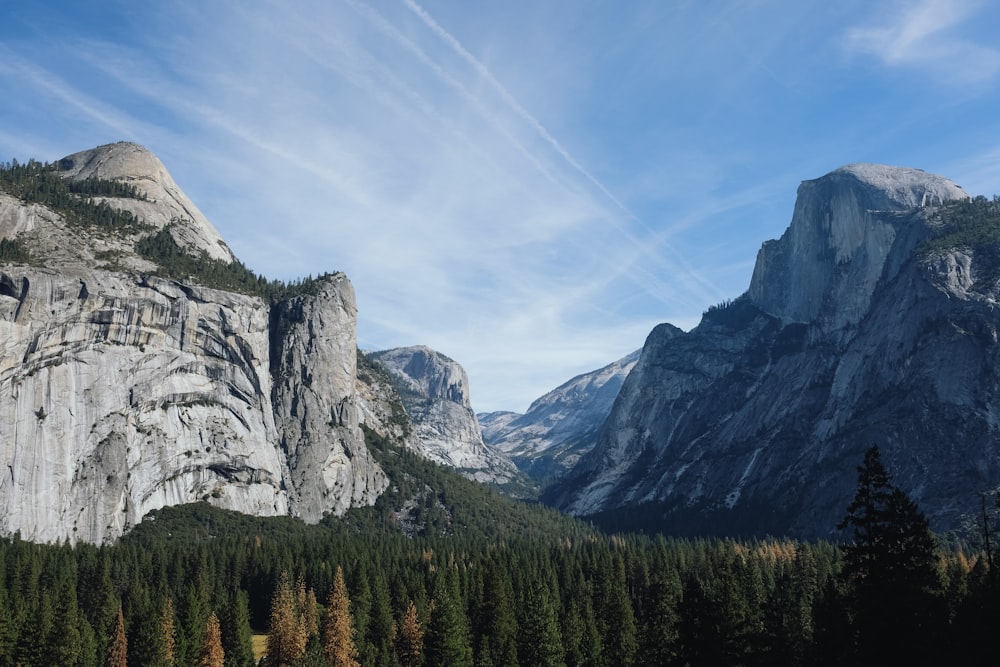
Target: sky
[(527, 186)]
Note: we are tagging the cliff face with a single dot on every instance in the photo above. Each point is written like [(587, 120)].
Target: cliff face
[(314, 362), (852, 333), (435, 393), (560, 426), (119, 395), (121, 392)]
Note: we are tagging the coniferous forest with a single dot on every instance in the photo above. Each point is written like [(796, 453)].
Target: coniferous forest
[(192, 585)]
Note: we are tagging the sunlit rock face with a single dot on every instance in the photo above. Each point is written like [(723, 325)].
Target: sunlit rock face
[(850, 334), (560, 426), (316, 404), (435, 393), (165, 202), (121, 392)]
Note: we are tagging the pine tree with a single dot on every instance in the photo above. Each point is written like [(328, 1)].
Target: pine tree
[(499, 623), (211, 654), (447, 642), (286, 637), (410, 639), (118, 648), (64, 638), (237, 638), (168, 633), (338, 628), (377, 650), (891, 568), (541, 642)]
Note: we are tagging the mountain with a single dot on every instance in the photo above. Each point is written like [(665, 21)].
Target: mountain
[(872, 320), (143, 366), (562, 425), (435, 393)]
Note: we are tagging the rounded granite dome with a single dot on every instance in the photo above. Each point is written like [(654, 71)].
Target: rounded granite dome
[(166, 203), (904, 186)]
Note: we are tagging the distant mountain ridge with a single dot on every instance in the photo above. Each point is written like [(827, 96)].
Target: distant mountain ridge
[(560, 426), (872, 320)]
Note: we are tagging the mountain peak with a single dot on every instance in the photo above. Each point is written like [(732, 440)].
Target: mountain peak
[(166, 203), (843, 227), (904, 187)]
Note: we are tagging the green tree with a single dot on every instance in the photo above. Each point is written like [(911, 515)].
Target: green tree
[(237, 637), (447, 642), (498, 624), (891, 567), (541, 641)]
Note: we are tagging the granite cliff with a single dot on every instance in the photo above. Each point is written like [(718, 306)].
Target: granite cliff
[(873, 319), (122, 391), (435, 393)]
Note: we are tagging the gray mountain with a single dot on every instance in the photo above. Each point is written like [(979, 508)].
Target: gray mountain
[(562, 425), (123, 391), (873, 319), (435, 393)]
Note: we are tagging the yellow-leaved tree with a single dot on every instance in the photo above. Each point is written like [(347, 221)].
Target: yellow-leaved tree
[(338, 627)]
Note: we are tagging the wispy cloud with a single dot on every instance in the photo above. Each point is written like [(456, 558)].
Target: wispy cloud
[(525, 186), (922, 35)]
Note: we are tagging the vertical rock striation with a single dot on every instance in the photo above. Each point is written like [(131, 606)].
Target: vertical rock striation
[(314, 359)]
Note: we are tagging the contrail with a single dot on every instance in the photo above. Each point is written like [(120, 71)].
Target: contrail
[(514, 104), (520, 111)]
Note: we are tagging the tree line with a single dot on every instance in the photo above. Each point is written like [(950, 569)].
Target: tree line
[(36, 182), (191, 585)]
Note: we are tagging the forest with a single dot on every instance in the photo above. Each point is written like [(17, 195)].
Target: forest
[(192, 585)]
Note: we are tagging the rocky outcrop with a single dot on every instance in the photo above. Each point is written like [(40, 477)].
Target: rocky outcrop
[(122, 392), (435, 393), (852, 333), (562, 425), (164, 204), (314, 363)]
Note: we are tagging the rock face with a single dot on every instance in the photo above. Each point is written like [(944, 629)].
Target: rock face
[(121, 392), (852, 333), (314, 364), (562, 425), (435, 392), (165, 202)]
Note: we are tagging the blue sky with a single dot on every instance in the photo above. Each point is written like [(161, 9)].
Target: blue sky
[(526, 186)]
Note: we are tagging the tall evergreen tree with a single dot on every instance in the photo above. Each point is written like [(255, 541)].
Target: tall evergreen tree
[(541, 641), (338, 627), (118, 647), (447, 643), (498, 625), (377, 651), (891, 567), (212, 653), (237, 637)]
